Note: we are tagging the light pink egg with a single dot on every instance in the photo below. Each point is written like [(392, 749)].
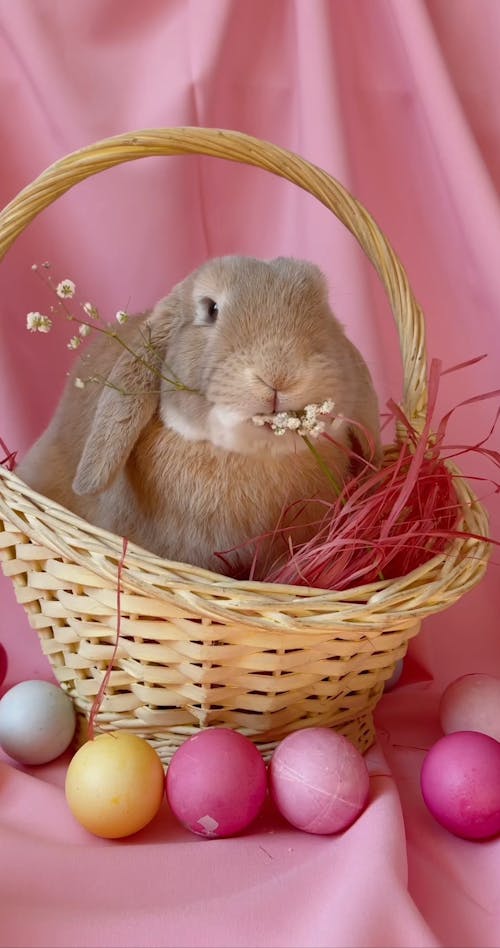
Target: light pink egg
[(460, 783), (319, 780), (472, 703), (216, 783)]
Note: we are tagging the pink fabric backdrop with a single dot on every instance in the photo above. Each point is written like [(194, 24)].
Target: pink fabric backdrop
[(399, 101)]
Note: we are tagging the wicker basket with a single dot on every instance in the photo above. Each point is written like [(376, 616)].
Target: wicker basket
[(196, 649)]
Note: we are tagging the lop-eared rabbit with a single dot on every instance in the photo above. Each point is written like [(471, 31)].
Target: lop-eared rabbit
[(167, 453)]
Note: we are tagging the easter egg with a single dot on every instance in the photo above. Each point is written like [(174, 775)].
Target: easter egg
[(472, 703), (115, 784), (318, 780), (3, 664), (37, 722), (216, 783), (460, 781), (396, 675)]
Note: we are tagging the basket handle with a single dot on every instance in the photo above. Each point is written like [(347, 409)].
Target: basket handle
[(236, 146)]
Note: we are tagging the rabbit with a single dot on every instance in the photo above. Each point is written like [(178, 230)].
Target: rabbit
[(166, 452)]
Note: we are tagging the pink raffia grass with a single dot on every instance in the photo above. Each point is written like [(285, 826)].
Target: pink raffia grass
[(9, 457), (384, 523), (382, 528)]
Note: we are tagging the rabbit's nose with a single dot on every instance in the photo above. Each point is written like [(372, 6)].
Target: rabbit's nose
[(272, 394), (276, 382)]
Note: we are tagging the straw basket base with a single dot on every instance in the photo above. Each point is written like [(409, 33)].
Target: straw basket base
[(355, 723), (360, 731)]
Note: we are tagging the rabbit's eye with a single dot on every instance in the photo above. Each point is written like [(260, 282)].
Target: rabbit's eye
[(211, 309), (208, 310)]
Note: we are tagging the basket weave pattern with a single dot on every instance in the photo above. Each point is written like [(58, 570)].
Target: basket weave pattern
[(197, 649)]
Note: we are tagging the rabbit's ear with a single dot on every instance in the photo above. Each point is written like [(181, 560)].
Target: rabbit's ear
[(128, 401)]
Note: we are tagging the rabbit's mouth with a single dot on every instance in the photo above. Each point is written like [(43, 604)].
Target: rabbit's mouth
[(237, 432)]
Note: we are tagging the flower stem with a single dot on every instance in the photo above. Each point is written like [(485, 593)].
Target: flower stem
[(323, 465), (112, 334), (328, 474)]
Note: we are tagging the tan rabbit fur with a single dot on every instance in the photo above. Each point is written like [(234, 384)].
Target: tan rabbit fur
[(185, 472)]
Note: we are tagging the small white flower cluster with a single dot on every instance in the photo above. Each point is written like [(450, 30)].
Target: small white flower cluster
[(66, 289), (305, 423), (90, 310), (36, 322)]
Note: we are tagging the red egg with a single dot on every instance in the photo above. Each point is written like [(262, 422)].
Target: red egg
[(472, 703), (460, 783), (216, 783), (3, 664), (319, 780)]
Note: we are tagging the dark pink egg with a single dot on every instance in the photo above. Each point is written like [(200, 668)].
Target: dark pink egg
[(3, 664), (318, 780), (460, 781), (216, 783)]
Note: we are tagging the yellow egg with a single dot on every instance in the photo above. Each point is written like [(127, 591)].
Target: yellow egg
[(115, 784)]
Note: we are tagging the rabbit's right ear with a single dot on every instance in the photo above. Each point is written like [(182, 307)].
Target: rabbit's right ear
[(128, 401)]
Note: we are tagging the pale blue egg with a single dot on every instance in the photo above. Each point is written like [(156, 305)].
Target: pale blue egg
[(396, 675), (37, 722)]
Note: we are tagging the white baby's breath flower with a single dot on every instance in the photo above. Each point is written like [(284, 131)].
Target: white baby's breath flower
[(121, 316), (65, 289), (45, 324), (34, 266), (84, 330), (305, 422), (74, 342), (79, 383), (281, 419), (37, 322), (32, 322), (90, 310)]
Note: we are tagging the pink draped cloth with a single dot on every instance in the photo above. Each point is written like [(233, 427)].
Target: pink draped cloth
[(398, 100)]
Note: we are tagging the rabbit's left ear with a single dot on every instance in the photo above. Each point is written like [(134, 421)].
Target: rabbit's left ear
[(126, 404), (116, 426)]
